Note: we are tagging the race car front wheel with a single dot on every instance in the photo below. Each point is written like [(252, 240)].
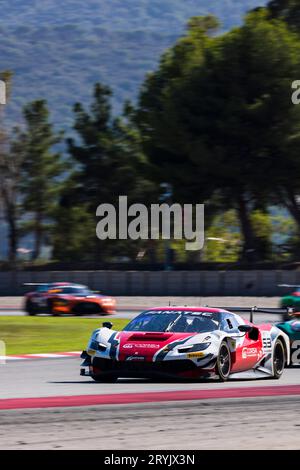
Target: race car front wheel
[(278, 359), (50, 308), (30, 308), (223, 362)]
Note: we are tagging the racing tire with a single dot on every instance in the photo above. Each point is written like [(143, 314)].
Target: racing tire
[(223, 366), (278, 359), (104, 378), (50, 309), (30, 308)]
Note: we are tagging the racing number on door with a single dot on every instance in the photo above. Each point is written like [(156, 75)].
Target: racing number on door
[(267, 344), (295, 349)]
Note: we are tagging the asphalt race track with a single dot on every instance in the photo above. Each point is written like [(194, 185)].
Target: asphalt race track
[(167, 417), (129, 307), (45, 404)]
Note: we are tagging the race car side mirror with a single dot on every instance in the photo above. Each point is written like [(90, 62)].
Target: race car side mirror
[(245, 328), (107, 324)]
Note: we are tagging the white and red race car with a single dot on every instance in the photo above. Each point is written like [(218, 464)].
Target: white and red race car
[(187, 342)]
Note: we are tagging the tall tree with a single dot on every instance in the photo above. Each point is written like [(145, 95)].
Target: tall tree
[(92, 149), (214, 120), (109, 163), (11, 152), (41, 171), (11, 157), (288, 174), (287, 10)]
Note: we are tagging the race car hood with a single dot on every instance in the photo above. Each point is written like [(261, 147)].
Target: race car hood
[(135, 345), (145, 345)]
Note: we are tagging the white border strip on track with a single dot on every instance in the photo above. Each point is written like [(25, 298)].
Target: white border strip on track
[(23, 357)]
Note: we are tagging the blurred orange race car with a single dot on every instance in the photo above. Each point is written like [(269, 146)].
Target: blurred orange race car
[(61, 297)]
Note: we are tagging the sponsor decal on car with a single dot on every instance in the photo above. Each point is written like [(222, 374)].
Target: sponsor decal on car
[(249, 352), (195, 354), (142, 345), (135, 358), (148, 345)]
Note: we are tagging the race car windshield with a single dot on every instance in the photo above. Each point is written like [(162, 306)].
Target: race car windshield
[(175, 322), (42, 288), (74, 290)]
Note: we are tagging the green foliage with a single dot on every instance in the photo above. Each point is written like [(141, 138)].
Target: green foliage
[(94, 149), (222, 117), (109, 163), (263, 230), (108, 153), (208, 24), (41, 169), (73, 233), (215, 119), (11, 157), (288, 10), (40, 165), (223, 239), (284, 236)]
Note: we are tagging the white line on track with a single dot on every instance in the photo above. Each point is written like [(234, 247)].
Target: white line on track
[(41, 356)]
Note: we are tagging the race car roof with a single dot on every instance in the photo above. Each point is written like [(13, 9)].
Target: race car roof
[(186, 307)]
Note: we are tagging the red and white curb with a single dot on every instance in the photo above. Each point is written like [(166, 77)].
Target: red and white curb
[(21, 357), (147, 397)]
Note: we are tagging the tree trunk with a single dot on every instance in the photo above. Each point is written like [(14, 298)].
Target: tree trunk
[(293, 207), (38, 235), (11, 219), (249, 253), (12, 234), (13, 240), (152, 251)]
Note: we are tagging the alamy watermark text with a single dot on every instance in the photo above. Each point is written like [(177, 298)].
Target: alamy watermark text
[(164, 221)]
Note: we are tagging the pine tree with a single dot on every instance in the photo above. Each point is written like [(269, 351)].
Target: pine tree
[(41, 171)]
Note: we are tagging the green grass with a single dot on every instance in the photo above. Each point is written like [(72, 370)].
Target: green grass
[(25, 335)]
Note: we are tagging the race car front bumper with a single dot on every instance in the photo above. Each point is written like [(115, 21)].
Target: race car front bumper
[(86, 366), (184, 368)]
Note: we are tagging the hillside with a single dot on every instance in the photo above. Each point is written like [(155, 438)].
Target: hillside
[(57, 50)]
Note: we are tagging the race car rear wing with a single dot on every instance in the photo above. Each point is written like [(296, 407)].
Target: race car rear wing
[(279, 311), (288, 285)]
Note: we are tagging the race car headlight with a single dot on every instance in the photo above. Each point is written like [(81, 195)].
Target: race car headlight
[(194, 348), (60, 302), (107, 301)]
